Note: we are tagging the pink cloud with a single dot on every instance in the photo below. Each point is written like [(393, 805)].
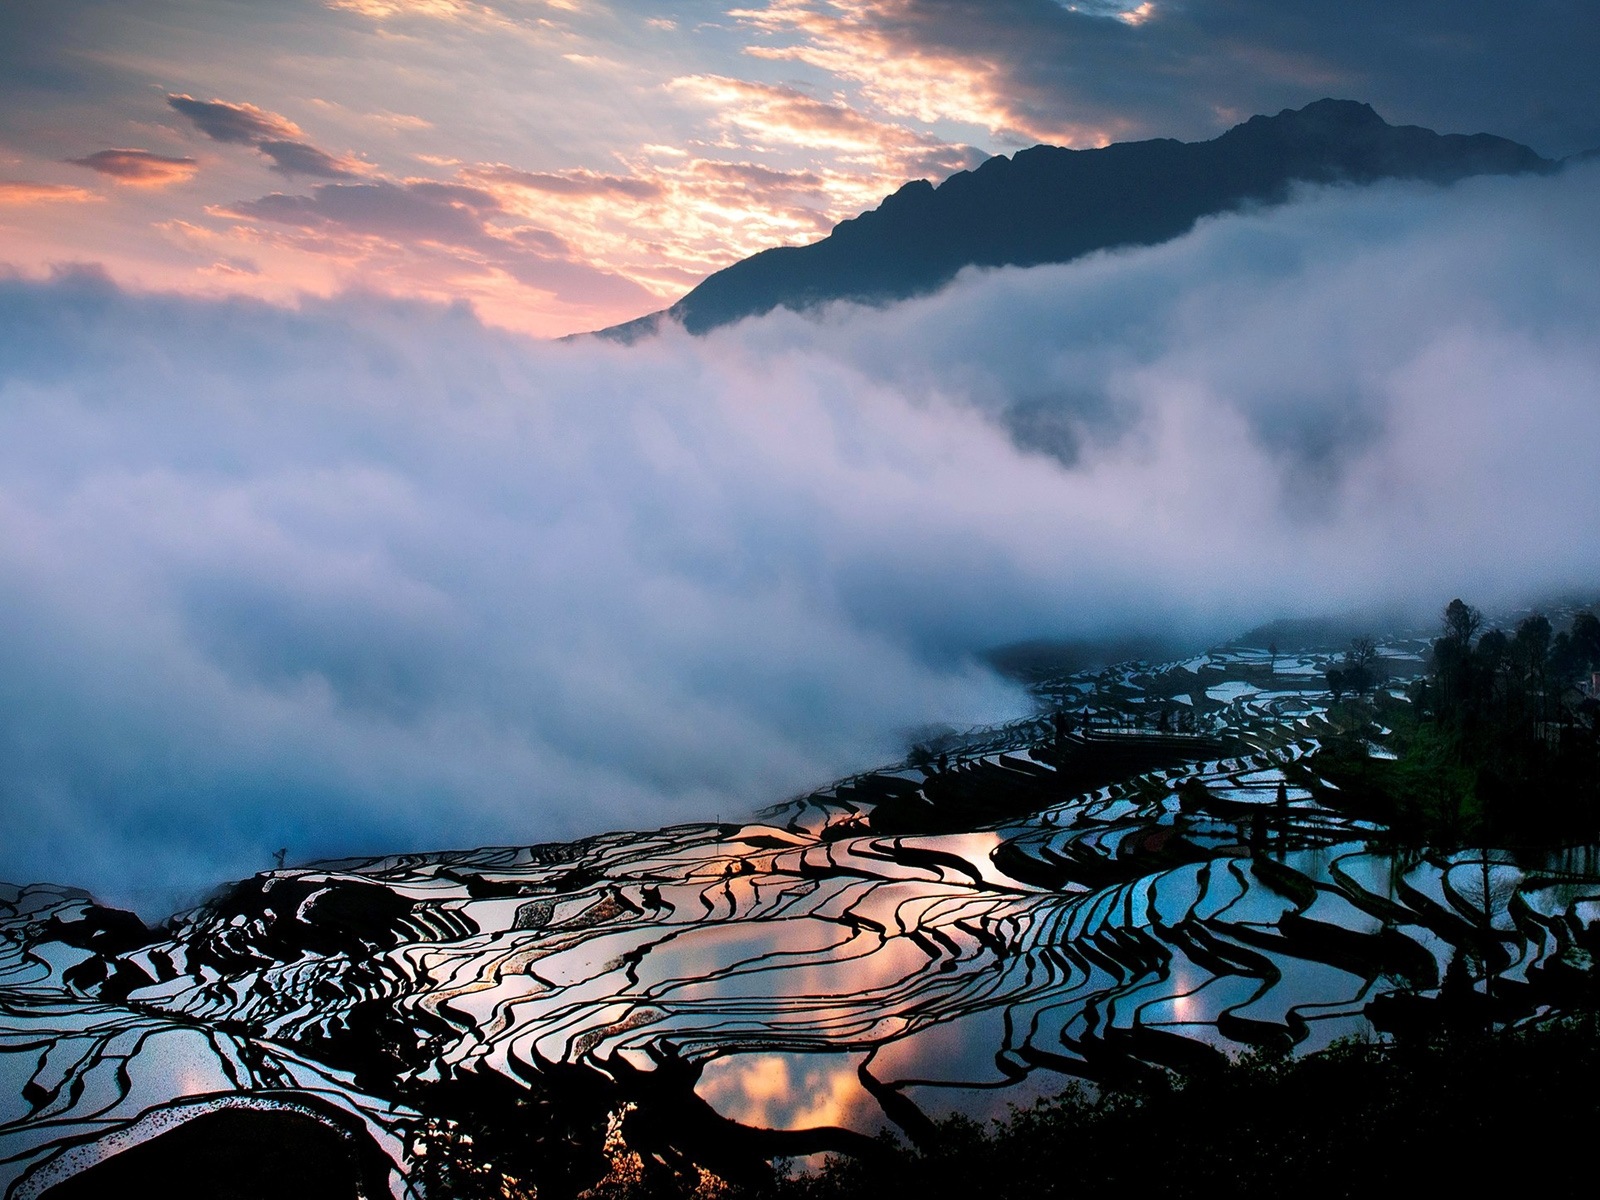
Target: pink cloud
[(22, 191), (140, 168)]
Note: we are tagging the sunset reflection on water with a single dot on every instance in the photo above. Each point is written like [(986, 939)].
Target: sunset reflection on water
[(790, 1091)]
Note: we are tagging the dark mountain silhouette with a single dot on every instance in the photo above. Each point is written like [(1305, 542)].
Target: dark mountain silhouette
[(1050, 205)]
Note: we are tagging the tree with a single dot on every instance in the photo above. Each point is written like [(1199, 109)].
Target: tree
[(1452, 654), (1530, 650), (1461, 623), (1585, 637), (1361, 665), (1492, 650), (1490, 683), (1575, 652)]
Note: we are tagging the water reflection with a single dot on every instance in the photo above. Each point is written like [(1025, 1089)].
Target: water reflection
[(809, 969), (790, 1091)]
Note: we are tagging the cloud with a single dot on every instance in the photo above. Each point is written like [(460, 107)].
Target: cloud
[(950, 62), (140, 168), (21, 191), (418, 220), (676, 217), (777, 114), (362, 577), (1087, 73), (302, 158), (277, 138), (611, 242), (422, 210), (239, 124), (438, 10), (233, 266), (568, 183)]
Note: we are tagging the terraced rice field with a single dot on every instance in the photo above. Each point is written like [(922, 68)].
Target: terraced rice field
[(1031, 904)]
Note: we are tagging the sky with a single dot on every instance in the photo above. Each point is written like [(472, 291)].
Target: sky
[(562, 165)]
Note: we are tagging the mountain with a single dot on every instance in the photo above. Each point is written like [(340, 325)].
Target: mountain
[(1051, 205)]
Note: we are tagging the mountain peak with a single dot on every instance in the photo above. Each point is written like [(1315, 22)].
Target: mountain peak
[(1349, 114), (1047, 204)]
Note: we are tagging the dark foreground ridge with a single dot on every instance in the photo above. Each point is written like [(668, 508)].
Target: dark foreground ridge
[(1437, 1116), (1052, 205)]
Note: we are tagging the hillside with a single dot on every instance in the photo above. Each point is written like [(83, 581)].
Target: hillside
[(1151, 878)]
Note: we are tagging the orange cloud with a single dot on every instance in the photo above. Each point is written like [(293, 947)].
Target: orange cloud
[(866, 41), (847, 38), (772, 165), (383, 10), (674, 215), (609, 245), (139, 168), (445, 240), (465, 14), (232, 267), (671, 219), (774, 114), (19, 191)]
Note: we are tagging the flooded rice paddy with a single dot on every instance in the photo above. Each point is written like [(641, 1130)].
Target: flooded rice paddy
[(1153, 883)]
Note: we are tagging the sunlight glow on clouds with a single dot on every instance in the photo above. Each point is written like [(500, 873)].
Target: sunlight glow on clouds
[(553, 250), (846, 38), (786, 115), (708, 131)]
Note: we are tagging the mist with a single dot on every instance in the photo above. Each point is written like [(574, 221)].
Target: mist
[(365, 577)]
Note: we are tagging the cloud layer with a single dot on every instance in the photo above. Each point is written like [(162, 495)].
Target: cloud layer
[(364, 578)]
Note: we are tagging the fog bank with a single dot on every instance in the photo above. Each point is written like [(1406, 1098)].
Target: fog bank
[(366, 577)]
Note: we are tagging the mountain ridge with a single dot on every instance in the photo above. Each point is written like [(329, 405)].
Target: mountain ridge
[(1048, 204)]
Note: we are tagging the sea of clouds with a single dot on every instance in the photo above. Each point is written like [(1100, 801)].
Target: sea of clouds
[(365, 577)]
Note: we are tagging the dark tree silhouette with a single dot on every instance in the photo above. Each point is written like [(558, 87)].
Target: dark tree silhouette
[(1504, 715), (1461, 623), (1361, 665)]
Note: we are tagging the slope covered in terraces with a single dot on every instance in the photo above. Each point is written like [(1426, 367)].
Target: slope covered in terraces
[(1157, 879)]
